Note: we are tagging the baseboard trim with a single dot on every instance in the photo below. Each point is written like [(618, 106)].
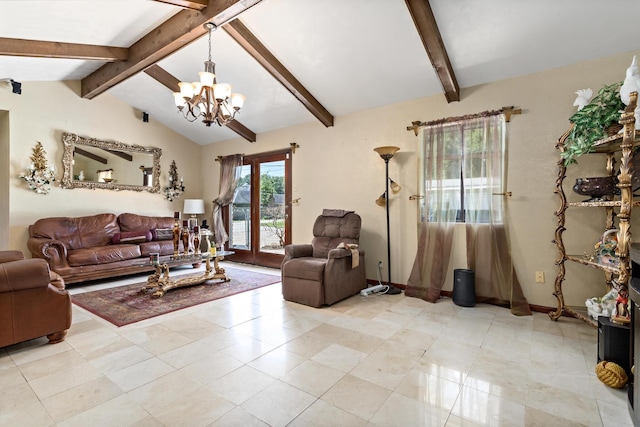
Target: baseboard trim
[(533, 307)]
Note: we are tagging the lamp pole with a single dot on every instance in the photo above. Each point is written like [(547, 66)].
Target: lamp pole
[(387, 153)]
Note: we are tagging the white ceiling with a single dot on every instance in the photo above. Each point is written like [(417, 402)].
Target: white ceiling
[(351, 55)]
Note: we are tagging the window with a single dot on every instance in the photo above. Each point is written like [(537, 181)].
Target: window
[(460, 185)]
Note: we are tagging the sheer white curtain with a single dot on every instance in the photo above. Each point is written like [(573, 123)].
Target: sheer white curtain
[(229, 175), (439, 212), (463, 175), (487, 234)]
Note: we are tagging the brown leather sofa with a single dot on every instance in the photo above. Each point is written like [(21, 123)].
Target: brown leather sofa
[(321, 273), (33, 300), (100, 246)]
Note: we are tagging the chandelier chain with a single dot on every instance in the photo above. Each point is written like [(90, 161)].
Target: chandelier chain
[(210, 30)]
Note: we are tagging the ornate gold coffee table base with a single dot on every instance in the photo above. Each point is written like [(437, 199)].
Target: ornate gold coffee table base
[(162, 283)]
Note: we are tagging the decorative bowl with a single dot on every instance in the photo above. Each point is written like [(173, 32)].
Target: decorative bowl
[(596, 187)]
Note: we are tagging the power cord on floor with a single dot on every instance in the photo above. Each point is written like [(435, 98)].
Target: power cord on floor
[(386, 287)]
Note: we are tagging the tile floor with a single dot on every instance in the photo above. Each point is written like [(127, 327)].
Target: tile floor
[(256, 360)]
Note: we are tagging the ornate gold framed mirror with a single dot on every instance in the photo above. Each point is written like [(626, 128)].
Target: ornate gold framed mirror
[(111, 165)]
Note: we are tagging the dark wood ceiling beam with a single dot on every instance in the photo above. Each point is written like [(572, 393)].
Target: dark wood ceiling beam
[(45, 49), (127, 157), (260, 53), (89, 155), (427, 27), (169, 81), (170, 36), (193, 4)]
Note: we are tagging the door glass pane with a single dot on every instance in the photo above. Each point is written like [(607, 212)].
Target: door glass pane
[(240, 212), (272, 207)]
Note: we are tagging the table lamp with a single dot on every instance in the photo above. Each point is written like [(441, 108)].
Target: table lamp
[(193, 207)]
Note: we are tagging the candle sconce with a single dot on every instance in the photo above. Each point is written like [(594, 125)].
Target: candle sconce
[(40, 176), (175, 187)]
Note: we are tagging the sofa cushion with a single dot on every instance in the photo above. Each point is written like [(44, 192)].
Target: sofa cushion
[(131, 237), (162, 247), (102, 254), (162, 234), (134, 222), (78, 233)]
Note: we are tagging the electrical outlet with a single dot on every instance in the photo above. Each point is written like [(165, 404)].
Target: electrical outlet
[(539, 276), (380, 264)]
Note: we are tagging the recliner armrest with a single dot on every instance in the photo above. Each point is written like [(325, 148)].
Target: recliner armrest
[(24, 274), (339, 253), (342, 253), (6, 256), (298, 250)]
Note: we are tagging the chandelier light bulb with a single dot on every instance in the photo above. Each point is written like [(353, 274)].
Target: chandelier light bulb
[(221, 91), (237, 100), (186, 89), (179, 100), (206, 78)]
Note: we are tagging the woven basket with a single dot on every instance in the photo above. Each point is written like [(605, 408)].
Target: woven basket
[(611, 374)]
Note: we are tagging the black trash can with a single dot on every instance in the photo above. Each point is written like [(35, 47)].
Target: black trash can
[(464, 287)]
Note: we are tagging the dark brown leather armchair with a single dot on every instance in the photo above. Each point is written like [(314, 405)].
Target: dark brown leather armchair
[(33, 300), (321, 273)]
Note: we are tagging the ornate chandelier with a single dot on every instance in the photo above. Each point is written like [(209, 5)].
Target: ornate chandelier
[(208, 98)]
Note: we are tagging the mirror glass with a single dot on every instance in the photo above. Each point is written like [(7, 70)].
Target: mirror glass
[(112, 165)]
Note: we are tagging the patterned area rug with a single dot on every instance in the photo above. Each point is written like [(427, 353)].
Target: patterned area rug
[(124, 305)]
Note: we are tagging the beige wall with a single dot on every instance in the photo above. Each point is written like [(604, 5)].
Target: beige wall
[(43, 112), (337, 168)]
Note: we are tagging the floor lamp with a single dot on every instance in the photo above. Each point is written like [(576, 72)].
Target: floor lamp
[(387, 153)]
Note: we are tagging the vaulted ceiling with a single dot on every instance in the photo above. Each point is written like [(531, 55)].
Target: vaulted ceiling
[(300, 61)]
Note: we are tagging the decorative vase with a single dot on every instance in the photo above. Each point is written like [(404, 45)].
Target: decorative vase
[(185, 237), (176, 233), (196, 239)]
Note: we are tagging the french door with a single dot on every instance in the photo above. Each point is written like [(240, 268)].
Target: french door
[(258, 220)]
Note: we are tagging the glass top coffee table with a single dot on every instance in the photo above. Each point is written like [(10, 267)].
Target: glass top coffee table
[(160, 282)]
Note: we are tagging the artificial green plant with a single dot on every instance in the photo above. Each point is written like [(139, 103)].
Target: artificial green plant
[(591, 121)]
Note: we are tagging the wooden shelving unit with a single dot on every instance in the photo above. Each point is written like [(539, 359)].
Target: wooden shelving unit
[(618, 211)]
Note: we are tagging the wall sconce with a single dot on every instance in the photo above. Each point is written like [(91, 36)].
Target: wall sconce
[(175, 188), (39, 176)]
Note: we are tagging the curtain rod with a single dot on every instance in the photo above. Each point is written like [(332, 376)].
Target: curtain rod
[(507, 111), (219, 158)]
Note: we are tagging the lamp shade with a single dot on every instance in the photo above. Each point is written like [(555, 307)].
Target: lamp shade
[(386, 152), (193, 206)]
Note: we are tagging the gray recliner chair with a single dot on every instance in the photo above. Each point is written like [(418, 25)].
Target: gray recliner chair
[(320, 273)]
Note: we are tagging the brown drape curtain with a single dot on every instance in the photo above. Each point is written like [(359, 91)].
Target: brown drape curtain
[(229, 174)]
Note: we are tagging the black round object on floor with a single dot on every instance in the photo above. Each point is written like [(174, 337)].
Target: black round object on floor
[(464, 287)]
